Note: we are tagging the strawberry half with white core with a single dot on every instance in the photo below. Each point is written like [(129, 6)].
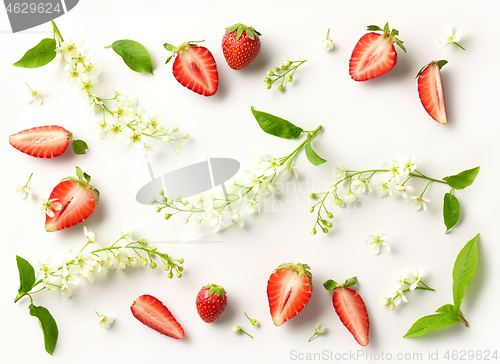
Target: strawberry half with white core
[(194, 67), (72, 201), (211, 301), (430, 90), (374, 54), (350, 308), (154, 314), (240, 45), (289, 289), (47, 141)]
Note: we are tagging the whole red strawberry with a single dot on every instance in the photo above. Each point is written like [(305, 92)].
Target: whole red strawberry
[(240, 45), (211, 301), (374, 54), (350, 308)]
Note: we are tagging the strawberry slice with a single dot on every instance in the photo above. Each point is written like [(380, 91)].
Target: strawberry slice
[(374, 54), (350, 308), (194, 67), (430, 90), (154, 314), (72, 201), (47, 141), (289, 289)]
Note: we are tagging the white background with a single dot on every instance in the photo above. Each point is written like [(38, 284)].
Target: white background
[(365, 124)]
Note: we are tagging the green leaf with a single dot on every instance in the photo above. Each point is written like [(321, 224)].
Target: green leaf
[(311, 154), (134, 54), (463, 179), (463, 270), (441, 63), (170, 47), (374, 28), (79, 147), (239, 32), (350, 282), (451, 211), (430, 322), (169, 58), (448, 310), (39, 55), (276, 126), (26, 275), (48, 325), (79, 172), (330, 285)]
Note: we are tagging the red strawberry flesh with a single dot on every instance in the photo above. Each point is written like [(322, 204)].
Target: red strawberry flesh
[(289, 289), (430, 91), (352, 312), (195, 68), (42, 142), (154, 314)]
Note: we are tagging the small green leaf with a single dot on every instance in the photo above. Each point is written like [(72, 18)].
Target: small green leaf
[(463, 270), (441, 63), (48, 325), (79, 172), (39, 55), (170, 47), (79, 147), (232, 28), (451, 211), (276, 126), (134, 54), (169, 58), (311, 155), (26, 275), (239, 32), (431, 322), (373, 28), (330, 285), (448, 310), (463, 179), (350, 282)]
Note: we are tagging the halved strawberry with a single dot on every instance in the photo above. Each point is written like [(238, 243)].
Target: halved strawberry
[(70, 202), (154, 314), (289, 289), (194, 67), (374, 54), (350, 308), (430, 90), (46, 141), (240, 45)]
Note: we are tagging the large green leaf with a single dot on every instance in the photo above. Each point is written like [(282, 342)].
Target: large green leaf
[(311, 155), (48, 325), (26, 275), (39, 55), (276, 126), (134, 54), (451, 211), (463, 270), (463, 179), (430, 322)]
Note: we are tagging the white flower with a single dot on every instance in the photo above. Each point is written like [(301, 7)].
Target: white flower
[(333, 189), (50, 206), (452, 36), (195, 223), (68, 49), (35, 95), (349, 197), (361, 185), (377, 242), (146, 148), (90, 235), (401, 190), (267, 187), (399, 297), (339, 172), (399, 279), (236, 217), (327, 43), (406, 165), (252, 179), (420, 203), (24, 191), (320, 328), (286, 171), (214, 219), (393, 167), (128, 236), (413, 277), (383, 189), (253, 207), (47, 268), (105, 322)]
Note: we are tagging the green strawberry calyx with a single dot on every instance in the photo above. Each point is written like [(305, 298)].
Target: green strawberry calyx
[(388, 33), (183, 47), (215, 289), (84, 182), (330, 285), (240, 28)]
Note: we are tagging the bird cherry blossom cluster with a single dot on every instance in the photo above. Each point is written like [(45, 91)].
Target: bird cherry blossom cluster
[(64, 276), (282, 73), (351, 184), (408, 280), (241, 195), (122, 119)]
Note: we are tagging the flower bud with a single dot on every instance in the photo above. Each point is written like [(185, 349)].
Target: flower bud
[(185, 135), (267, 79), (170, 275), (311, 209), (281, 88), (143, 261), (288, 63), (289, 78), (152, 265), (181, 261), (268, 86), (276, 69), (312, 195), (325, 230), (313, 231), (329, 215), (179, 275), (270, 73), (167, 216)]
